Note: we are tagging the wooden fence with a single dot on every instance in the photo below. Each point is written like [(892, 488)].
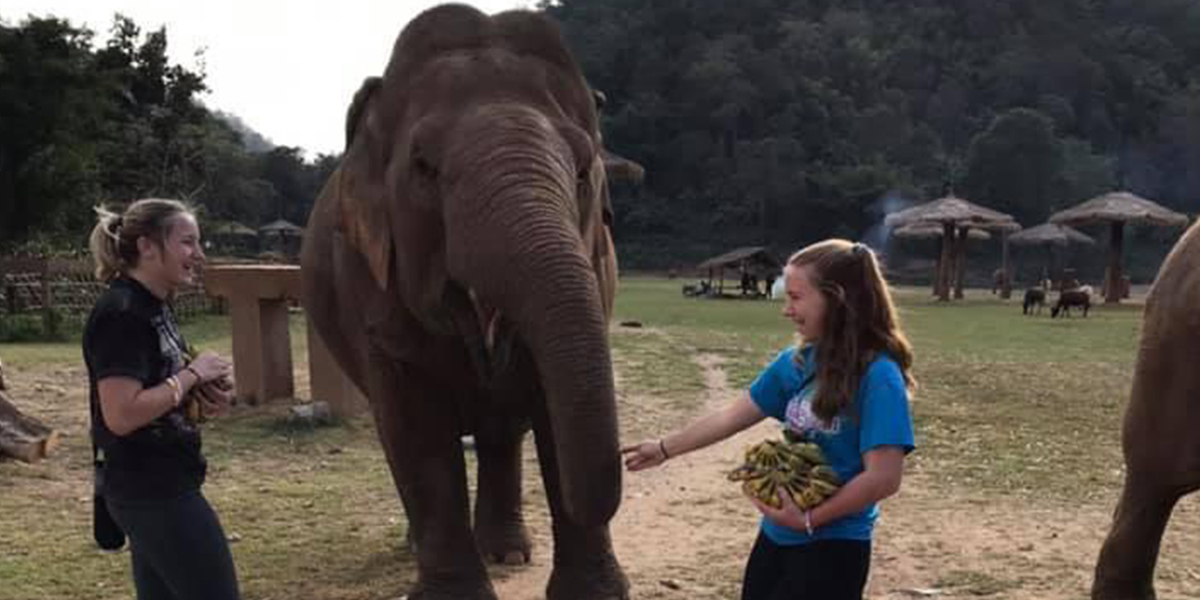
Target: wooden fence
[(66, 290)]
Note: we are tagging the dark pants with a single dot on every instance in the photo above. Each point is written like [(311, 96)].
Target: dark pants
[(822, 570), (178, 550)]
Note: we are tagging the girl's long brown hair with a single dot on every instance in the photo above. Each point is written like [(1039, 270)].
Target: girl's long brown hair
[(860, 321)]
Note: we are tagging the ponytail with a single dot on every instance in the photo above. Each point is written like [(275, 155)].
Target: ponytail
[(105, 244)]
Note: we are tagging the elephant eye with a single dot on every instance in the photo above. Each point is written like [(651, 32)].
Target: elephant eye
[(423, 168)]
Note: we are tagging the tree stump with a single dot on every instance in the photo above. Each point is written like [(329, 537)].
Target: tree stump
[(22, 436)]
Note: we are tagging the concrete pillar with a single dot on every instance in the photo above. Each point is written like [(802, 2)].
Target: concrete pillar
[(327, 380)]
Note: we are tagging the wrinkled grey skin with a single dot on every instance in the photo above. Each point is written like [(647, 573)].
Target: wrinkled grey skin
[(459, 267), (1161, 436)]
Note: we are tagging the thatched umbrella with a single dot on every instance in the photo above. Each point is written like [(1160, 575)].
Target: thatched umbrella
[(1116, 209), (930, 231), (1051, 236), (956, 217), (233, 228)]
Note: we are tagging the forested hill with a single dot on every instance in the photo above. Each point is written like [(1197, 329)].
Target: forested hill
[(782, 121), (86, 120), (758, 121)]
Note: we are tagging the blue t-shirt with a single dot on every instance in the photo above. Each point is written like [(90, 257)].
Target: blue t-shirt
[(878, 417)]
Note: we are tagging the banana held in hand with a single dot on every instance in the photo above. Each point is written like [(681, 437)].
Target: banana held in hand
[(191, 402), (796, 467)]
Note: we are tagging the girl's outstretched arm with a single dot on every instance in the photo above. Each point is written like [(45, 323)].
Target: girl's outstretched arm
[(709, 429)]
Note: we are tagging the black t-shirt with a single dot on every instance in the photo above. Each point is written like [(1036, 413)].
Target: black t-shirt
[(131, 333)]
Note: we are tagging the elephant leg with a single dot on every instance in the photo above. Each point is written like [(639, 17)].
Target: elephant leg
[(419, 435), (499, 520), (585, 567), (1125, 569)]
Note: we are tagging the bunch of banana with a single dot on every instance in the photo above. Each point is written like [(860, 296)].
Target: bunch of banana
[(796, 467)]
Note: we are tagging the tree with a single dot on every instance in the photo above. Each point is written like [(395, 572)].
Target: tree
[(1015, 165)]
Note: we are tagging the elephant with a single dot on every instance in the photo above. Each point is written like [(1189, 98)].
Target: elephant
[(459, 266), (1159, 435)]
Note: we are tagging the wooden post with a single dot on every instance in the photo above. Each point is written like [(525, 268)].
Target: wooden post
[(327, 380), (257, 296), (1112, 275), (1006, 282), (947, 262), (262, 350), (960, 262), (937, 268), (48, 319)]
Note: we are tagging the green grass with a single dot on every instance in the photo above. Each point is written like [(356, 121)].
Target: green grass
[(1007, 405)]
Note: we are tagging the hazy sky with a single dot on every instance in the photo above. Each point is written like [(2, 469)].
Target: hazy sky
[(287, 68)]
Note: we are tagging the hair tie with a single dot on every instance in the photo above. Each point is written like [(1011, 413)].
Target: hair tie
[(858, 249)]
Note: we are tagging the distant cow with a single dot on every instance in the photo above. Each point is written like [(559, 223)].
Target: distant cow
[(1034, 297), (1070, 298)]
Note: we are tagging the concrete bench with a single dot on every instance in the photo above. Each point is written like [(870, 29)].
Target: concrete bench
[(257, 296)]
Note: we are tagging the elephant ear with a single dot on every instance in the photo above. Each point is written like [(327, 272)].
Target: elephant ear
[(362, 201)]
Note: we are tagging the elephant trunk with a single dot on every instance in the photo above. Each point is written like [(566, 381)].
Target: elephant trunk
[(512, 238)]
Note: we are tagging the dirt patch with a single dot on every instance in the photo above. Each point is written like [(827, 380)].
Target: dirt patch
[(684, 531)]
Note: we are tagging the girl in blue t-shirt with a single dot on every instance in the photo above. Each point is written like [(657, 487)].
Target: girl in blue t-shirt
[(844, 387)]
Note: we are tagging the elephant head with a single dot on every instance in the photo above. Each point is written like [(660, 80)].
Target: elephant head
[(473, 186)]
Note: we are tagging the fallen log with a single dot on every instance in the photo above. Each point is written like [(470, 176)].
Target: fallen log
[(22, 436)]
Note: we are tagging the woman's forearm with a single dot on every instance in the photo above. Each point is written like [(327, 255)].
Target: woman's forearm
[(735, 417), (126, 408), (880, 479)]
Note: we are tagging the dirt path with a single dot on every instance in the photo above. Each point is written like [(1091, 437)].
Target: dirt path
[(675, 518), (683, 532)]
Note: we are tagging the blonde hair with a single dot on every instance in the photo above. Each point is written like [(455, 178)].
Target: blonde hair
[(113, 241), (860, 321)]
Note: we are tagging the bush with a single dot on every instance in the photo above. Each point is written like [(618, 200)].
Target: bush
[(32, 327)]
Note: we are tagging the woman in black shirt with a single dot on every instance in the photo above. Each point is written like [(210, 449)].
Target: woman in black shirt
[(140, 383)]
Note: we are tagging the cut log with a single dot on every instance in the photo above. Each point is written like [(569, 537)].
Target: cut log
[(22, 436)]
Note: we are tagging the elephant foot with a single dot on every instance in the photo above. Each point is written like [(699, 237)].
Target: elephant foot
[(1117, 592), (482, 591), (504, 545), (599, 580)]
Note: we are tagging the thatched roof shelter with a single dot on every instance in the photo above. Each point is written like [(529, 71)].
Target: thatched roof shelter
[(619, 168), (1053, 238), (750, 257), (957, 217), (233, 229), (1050, 234), (929, 231), (281, 227), (1122, 207), (754, 260), (953, 210), (1116, 209)]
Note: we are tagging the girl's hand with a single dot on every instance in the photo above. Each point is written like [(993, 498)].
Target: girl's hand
[(790, 515), (215, 397), (644, 455), (209, 366)]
